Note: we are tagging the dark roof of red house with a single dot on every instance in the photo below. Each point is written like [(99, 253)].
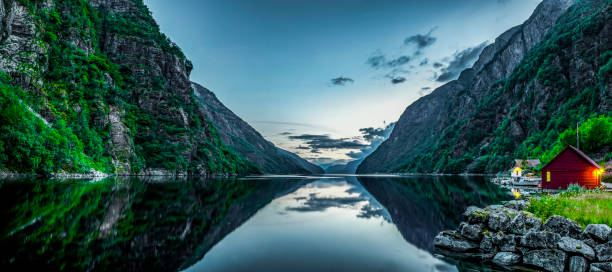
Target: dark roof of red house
[(577, 152)]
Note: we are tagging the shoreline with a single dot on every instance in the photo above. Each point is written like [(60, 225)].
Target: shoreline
[(509, 237)]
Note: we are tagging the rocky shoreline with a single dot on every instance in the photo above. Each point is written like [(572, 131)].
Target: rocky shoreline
[(97, 175), (510, 238)]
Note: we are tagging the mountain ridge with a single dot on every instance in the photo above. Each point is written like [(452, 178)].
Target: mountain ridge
[(456, 128), (91, 86)]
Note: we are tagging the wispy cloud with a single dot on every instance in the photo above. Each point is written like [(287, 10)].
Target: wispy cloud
[(379, 61), (415, 44), (398, 80), (421, 40), (317, 142), (460, 60), (424, 91), (341, 81), (375, 136)]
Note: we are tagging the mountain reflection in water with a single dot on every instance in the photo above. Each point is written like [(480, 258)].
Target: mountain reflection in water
[(252, 224)]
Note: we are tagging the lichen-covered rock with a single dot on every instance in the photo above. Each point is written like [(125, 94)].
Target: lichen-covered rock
[(506, 258), (604, 252), (486, 245), (471, 232), (453, 241), (498, 221), (600, 232), (547, 259), (590, 242), (572, 245), (497, 237), (518, 205), (508, 243), (563, 226), (601, 267), (524, 222), (475, 215), (577, 264), (540, 239)]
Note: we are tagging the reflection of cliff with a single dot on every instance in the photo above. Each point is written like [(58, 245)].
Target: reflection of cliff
[(423, 206), (241, 211), (124, 225)]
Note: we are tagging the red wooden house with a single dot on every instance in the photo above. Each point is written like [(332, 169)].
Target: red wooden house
[(571, 166)]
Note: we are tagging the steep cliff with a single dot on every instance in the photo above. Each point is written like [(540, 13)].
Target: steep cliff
[(95, 85), (245, 140), (536, 79)]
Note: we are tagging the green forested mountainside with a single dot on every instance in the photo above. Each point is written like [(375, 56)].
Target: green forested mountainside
[(595, 138), (562, 80), (95, 85)]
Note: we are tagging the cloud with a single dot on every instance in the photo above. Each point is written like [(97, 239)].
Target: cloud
[(371, 133), (421, 40), (398, 80), (399, 61), (375, 136), (437, 65), (317, 142), (424, 62), (285, 133), (460, 61), (424, 91), (341, 81), (379, 61)]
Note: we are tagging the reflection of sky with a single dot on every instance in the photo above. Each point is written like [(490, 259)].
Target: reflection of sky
[(326, 225)]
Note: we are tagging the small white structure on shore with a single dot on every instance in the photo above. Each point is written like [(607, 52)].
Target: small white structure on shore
[(517, 172)]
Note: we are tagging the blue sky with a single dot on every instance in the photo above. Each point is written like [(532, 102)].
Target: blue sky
[(273, 61)]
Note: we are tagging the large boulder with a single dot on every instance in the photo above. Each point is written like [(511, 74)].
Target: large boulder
[(499, 221), (601, 267), (508, 243), (572, 245), (524, 222), (475, 215), (589, 241), (563, 226), (547, 259), (506, 258), (518, 205), (577, 264), (600, 232), (453, 241), (540, 239), (604, 252), (486, 245), (471, 232)]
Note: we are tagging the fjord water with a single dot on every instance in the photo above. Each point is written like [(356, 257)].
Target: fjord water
[(328, 223)]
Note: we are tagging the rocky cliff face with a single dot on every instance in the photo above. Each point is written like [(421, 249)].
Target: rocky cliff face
[(243, 138), (535, 80), (102, 88)]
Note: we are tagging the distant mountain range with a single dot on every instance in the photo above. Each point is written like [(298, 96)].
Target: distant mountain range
[(536, 80), (245, 140)]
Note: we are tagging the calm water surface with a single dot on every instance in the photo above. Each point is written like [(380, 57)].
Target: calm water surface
[(276, 223)]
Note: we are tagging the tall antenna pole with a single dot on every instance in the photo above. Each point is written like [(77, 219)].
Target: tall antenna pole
[(578, 135)]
